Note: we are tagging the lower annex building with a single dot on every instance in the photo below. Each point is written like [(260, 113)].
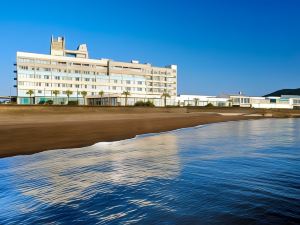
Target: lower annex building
[(69, 75)]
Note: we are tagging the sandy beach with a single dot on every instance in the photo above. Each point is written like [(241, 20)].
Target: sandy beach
[(28, 130)]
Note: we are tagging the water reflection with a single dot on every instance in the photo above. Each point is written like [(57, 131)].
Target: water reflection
[(228, 173), (63, 175)]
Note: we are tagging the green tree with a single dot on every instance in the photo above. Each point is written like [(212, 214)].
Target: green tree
[(101, 93), (68, 93), (55, 92), (126, 93), (30, 93), (165, 95), (84, 93)]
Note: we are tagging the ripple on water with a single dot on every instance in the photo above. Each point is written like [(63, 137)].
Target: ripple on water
[(245, 172)]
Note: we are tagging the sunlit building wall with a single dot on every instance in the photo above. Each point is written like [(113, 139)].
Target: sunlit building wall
[(70, 72)]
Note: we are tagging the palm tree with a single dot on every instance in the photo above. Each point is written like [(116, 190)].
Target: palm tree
[(68, 93), (84, 93), (55, 92), (101, 93), (196, 101), (165, 95), (126, 93), (30, 92)]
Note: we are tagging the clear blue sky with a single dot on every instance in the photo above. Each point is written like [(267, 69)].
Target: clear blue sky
[(220, 46)]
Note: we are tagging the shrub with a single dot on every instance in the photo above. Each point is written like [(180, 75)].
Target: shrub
[(49, 102), (73, 103), (42, 102), (150, 104), (209, 105), (144, 104)]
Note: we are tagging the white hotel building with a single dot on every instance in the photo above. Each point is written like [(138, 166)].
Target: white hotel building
[(72, 70)]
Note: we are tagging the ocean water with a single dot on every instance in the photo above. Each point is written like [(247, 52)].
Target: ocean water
[(245, 172)]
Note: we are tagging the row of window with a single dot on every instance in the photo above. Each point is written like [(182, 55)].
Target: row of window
[(38, 61), (67, 78), (296, 101), (65, 93), (59, 70), (113, 88), (63, 63), (241, 100), (81, 71), (40, 84)]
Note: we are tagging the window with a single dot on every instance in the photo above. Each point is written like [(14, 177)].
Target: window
[(115, 81), (77, 78), (114, 88), (77, 85), (87, 79), (140, 89), (127, 81), (23, 67), (39, 91), (140, 82), (236, 101), (296, 101)]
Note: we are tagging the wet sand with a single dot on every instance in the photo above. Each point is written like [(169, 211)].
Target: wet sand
[(32, 130)]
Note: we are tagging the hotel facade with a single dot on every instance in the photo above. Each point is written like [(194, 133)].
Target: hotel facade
[(70, 76)]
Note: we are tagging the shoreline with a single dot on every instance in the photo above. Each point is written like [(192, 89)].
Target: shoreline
[(27, 132)]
